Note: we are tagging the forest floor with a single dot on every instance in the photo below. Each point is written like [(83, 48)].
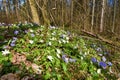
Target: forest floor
[(31, 52)]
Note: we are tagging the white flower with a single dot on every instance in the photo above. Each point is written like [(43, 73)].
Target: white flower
[(99, 71), (81, 58), (67, 41), (103, 58), (85, 53), (5, 52), (52, 27), (41, 41), (50, 58), (49, 43), (63, 41), (59, 42), (58, 51), (67, 38), (31, 30), (53, 39), (54, 33), (66, 59), (31, 41), (58, 55)]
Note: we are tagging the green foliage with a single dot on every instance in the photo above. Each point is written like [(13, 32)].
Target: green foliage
[(59, 55)]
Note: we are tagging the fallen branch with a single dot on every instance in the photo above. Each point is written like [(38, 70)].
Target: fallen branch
[(100, 38)]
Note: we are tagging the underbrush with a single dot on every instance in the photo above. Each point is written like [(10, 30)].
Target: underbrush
[(51, 53)]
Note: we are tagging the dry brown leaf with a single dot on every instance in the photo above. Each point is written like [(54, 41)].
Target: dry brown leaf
[(18, 58), (26, 78), (10, 76)]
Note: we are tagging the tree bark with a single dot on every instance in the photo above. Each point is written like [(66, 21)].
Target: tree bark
[(102, 16), (114, 16), (93, 14), (34, 12)]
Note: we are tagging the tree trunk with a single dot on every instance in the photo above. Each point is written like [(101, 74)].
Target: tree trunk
[(114, 16), (6, 10), (93, 14), (34, 12), (102, 16)]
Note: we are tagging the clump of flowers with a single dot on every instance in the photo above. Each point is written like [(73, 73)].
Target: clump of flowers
[(5, 52), (16, 32)]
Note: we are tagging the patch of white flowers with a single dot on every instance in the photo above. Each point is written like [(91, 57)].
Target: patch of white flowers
[(50, 58), (31, 30), (5, 52), (31, 41), (98, 71)]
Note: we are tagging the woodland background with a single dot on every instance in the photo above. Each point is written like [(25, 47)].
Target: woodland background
[(99, 17)]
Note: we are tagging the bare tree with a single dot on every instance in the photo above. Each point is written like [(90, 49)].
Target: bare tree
[(114, 16), (34, 12), (5, 9), (102, 16), (93, 14)]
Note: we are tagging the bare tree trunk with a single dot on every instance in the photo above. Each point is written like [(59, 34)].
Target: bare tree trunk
[(6, 10), (72, 7), (114, 16), (93, 14), (34, 12), (102, 16)]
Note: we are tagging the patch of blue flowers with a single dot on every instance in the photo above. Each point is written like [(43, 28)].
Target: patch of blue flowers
[(60, 54)]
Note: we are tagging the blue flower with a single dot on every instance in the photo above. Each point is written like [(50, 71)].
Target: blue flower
[(103, 64), (14, 38), (32, 35), (72, 60), (64, 57), (12, 44), (94, 60), (26, 31), (16, 32), (109, 63)]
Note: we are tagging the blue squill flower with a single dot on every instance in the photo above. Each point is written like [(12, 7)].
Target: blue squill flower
[(72, 60), (94, 60), (14, 38), (32, 35), (12, 44), (26, 31), (103, 64), (64, 57), (109, 63), (16, 32)]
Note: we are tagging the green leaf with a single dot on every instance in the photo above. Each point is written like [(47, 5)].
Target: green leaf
[(64, 66), (47, 76), (59, 77), (1, 37)]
